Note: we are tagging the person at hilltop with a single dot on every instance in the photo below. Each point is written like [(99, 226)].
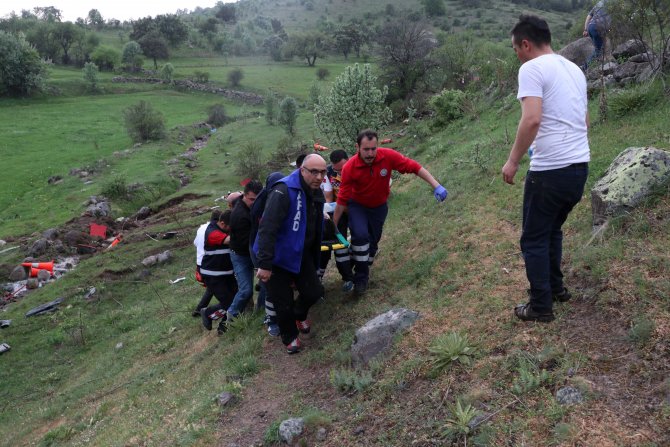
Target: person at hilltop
[(199, 243), (331, 187), (364, 191), (596, 26), (288, 245), (240, 228), (554, 120), (217, 271)]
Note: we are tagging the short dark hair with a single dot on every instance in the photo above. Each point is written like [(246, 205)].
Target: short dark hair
[(215, 215), (225, 217), (532, 28), (338, 155), (368, 134), (254, 186), (299, 160)]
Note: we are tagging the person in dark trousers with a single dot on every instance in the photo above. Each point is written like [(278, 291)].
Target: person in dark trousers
[(288, 245), (199, 243), (240, 227), (596, 26), (364, 191), (331, 187), (217, 271), (256, 213), (554, 123)]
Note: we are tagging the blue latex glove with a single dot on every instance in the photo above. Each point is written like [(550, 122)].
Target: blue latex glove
[(440, 193)]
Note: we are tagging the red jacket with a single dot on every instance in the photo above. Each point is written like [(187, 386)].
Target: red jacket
[(370, 185)]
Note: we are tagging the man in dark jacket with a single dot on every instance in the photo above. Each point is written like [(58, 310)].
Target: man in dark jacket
[(288, 245), (240, 228)]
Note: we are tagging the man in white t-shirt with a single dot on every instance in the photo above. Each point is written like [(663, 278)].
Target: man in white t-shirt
[(554, 123)]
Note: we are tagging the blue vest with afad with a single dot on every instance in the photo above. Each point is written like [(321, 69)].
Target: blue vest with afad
[(290, 242)]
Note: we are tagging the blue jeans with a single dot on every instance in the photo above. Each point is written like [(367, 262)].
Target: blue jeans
[(548, 198), (597, 40), (263, 290), (366, 225), (244, 272)]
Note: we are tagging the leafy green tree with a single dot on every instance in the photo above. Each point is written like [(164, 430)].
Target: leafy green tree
[(209, 27), (132, 56), (143, 123), (22, 71), (83, 46), (270, 107), (90, 72), (94, 19), (48, 13), (167, 72), (353, 103), (66, 34), (288, 114), (172, 28), (235, 77), (226, 12), (155, 47), (106, 58), (309, 45), (434, 8), (43, 38)]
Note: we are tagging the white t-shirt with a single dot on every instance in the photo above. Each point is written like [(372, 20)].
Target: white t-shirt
[(199, 243), (562, 138)]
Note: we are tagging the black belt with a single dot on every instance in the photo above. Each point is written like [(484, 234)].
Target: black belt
[(578, 165)]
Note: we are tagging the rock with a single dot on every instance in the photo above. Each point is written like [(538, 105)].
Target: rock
[(225, 398), (149, 261), (2, 243), (99, 209), (321, 434), (569, 396), (59, 247), (74, 238), (478, 420), (359, 430), (290, 428), (51, 234), (164, 257), (609, 68), (578, 50), (32, 283), (39, 247), (633, 174), (143, 213), (118, 346), (627, 70), (43, 275), (18, 274), (376, 336), (54, 179), (628, 49)]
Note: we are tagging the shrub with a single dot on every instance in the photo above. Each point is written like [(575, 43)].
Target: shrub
[(201, 76), (634, 99), (349, 381), (641, 330), (314, 93), (132, 56), (449, 348), (235, 77), (90, 71), (143, 123), (116, 189), (167, 72), (249, 161), (288, 114), (217, 115), (270, 108), (22, 71), (448, 106), (106, 58), (322, 73)]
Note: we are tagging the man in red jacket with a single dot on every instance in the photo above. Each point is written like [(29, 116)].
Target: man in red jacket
[(363, 194)]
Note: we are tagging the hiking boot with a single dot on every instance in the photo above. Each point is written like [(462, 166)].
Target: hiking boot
[(206, 321), (526, 313), (348, 286), (196, 312), (562, 297), (273, 329), (303, 326), (294, 347), (223, 327), (360, 288)]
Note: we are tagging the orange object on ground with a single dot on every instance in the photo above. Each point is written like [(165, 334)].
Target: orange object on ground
[(49, 266), (98, 230), (116, 240), (34, 272), (319, 148), (386, 141)]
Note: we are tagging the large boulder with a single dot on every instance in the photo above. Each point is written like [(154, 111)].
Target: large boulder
[(630, 178), (628, 49), (291, 428), (376, 336), (578, 50)]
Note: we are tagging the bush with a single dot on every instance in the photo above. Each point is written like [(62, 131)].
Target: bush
[(270, 108), (634, 99), (288, 114), (235, 77), (448, 106), (249, 161), (217, 115), (322, 73), (201, 76), (132, 56), (106, 58), (22, 71), (167, 72), (143, 123), (90, 71)]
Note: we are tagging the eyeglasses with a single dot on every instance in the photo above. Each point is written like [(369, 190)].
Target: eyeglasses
[(316, 172)]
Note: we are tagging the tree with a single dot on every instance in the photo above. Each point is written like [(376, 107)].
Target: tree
[(90, 72), (167, 72), (83, 46), (434, 8), (226, 12), (94, 19), (273, 45), (48, 13), (405, 49), (143, 123), (155, 47), (209, 27), (106, 58), (22, 71), (172, 28), (43, 38), (288, 114), (309, 46), (132, 56), (66, 34), (235, 77), (353, 103)]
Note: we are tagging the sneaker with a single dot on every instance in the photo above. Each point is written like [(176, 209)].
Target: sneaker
[(196, 312), (294, 347), (348, 286), (223, 327), (206, 321), (303, 326), (526, 313), (360, 288), (273, 329), (562, 297)]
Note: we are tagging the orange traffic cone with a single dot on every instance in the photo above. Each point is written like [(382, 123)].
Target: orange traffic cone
[(49, 266), (319, 148), (34, 272)]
